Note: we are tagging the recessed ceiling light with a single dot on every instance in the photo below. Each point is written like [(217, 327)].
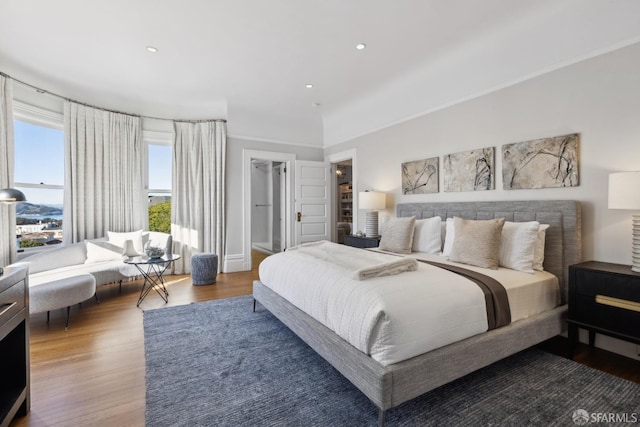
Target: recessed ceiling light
[(308, 85), (152, 49), (361, 46)]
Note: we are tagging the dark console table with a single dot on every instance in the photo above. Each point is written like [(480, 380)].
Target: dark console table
[(14, 344)]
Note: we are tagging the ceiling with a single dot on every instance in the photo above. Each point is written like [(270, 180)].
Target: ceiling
[(249, 60)]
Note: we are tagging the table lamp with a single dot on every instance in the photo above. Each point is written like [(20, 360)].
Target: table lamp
[(372, 201), (624, 193), (10, 196)]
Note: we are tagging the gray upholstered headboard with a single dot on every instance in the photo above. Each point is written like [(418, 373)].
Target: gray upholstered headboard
[(563, 243)]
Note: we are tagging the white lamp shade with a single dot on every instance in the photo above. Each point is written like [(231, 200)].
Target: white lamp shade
[(371, 200), (624, 190)]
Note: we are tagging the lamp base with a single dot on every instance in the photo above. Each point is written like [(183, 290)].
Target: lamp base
[(371, 224), (635, 244)]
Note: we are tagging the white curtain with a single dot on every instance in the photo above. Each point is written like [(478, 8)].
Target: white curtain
[(104, 164), (198, 191), (7, 213)]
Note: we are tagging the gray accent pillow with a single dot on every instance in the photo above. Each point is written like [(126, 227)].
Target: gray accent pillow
[(477, 242), (397, 235)]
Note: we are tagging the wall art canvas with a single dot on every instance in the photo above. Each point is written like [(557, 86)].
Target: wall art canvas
[(470, 170), (541, 163), (420, 176)]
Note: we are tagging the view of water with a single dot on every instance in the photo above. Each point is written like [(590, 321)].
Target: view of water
[(39, 216)]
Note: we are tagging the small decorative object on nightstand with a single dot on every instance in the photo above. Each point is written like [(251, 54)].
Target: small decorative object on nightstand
[(362, 241), (603, 298)]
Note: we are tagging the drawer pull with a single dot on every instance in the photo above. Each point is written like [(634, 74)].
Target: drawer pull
[(619, 303), (7, 307)]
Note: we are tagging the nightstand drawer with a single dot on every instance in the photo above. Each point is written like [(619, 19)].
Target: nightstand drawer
[(591, 283), (11, 301), (623, 321)]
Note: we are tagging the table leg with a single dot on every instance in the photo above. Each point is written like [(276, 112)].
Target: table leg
[(153, 279), (573, 339)]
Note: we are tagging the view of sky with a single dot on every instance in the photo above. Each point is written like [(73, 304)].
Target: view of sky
[(39, 158)]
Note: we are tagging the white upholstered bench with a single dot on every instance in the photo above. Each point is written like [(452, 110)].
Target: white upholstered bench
[(61, 293)]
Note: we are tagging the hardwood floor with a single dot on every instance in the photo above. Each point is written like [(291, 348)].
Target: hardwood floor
[(596, 358), (94, 373)]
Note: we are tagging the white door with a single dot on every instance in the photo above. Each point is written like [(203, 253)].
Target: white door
[(312, 201)]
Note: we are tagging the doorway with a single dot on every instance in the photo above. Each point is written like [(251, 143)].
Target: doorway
[(345, 192), (344, 199), (282, 238), (267, 205)]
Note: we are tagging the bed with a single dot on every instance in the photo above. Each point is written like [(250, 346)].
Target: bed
[(390, 385)]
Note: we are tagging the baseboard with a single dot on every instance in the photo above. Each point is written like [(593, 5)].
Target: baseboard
[(235, 263)]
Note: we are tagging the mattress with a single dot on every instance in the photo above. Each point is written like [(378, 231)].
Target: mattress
[(528, 294), (394, 318)]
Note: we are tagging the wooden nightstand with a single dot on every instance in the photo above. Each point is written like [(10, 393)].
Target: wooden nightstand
[(362, 242), (603, 298)]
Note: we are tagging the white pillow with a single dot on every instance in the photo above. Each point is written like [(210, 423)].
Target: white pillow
[(517, 245), (100, 251), (426, 235), (120, 239), (538, 251), (448, 237)]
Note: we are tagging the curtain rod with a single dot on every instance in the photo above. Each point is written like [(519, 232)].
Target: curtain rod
[(43, 91)]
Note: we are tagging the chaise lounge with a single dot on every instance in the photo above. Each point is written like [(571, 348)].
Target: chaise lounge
[(70, 274)]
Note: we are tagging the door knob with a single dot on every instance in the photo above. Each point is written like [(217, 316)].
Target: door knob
[(299, 216)]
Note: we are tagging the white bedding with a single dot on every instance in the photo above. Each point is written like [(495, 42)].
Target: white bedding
[(394, 318), (528, 294)]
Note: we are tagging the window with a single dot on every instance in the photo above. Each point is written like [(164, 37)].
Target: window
[(159, 187), (39, 174)]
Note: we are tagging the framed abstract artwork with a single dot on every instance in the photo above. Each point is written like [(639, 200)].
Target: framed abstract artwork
[(541, 163), (470, 170), (420, 176)]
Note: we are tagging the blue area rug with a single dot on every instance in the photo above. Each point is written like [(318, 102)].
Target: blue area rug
[(217, 363)]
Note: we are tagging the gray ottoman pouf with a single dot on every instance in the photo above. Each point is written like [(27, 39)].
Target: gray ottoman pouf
[(204, 268)]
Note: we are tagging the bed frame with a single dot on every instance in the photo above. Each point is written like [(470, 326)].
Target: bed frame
[(389, 386)]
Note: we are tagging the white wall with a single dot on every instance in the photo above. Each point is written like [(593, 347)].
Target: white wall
[(598, 98)]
